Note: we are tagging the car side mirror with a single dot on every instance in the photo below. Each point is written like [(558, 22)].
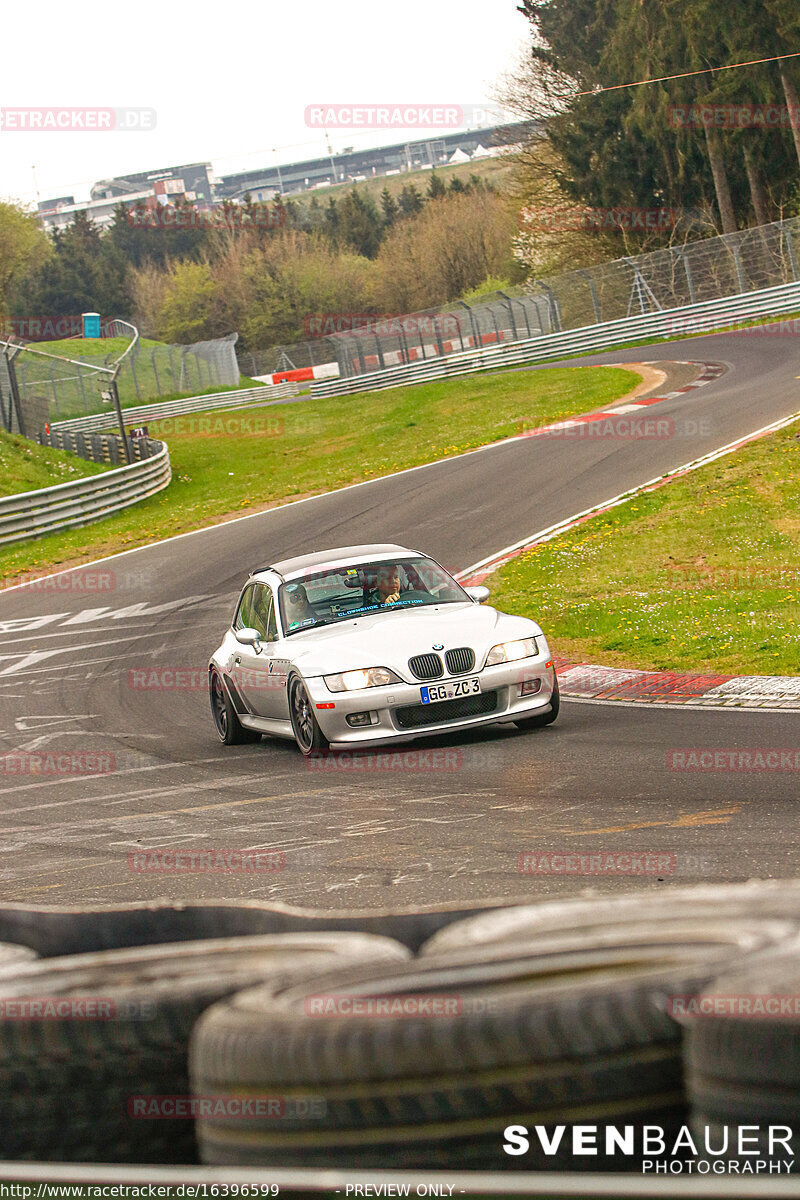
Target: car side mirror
[(479, 594), (249, 637)]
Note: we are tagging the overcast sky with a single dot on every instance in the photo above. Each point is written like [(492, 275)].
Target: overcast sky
[(230, 83)]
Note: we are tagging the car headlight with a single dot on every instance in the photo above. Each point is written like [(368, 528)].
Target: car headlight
[(355, 681), (512, 651)]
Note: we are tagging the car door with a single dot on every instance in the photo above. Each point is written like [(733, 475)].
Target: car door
[(251, 669), (277, 668), (263, 675)]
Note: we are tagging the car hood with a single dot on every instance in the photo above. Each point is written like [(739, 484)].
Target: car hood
[(389, 639)]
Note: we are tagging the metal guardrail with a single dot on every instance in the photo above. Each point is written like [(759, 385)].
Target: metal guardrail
[(106, 448), (675, 322), (69, 505), (242, 398)]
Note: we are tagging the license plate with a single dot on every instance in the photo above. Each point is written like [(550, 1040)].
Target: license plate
[(450, 691)]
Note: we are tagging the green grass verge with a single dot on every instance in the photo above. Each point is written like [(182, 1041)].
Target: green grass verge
[(95, 348), (703, 574), (24, 466), (234, 461)]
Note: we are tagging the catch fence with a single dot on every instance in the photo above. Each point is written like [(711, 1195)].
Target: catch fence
[(673, 277)]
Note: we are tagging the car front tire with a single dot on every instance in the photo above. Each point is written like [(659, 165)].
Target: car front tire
[(542, 719), (229, 728), (307, 733)]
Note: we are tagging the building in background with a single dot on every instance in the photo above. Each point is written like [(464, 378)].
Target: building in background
[(192, 181), (57, 215), (196, 183), (353, 166)]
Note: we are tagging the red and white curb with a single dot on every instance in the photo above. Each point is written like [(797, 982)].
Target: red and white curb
[(628, 427), (582, 680)]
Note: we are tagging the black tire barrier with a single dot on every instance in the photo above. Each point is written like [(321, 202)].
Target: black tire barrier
[(86, 1040), (86, 928), (557, 1029), (778, 898), (742, 1054)]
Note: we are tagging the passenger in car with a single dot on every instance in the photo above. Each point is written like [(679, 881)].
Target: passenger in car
[(298, 607)]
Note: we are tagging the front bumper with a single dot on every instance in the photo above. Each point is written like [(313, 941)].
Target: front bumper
[(505, 682)]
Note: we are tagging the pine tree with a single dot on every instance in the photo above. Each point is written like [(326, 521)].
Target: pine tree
[(389, 208), (436, 187)]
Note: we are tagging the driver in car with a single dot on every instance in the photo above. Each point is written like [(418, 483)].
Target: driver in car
[(387, 585)]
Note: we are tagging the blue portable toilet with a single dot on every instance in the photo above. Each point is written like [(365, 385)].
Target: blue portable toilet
[(91, 325)]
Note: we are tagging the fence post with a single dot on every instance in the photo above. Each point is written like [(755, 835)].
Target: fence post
[(593, 290), (83, 391), (175, 387), (551, 300), (687, 268), (789, 246), (511, 314), (135, 380), (112, 387), (464, 304), (11, 353)]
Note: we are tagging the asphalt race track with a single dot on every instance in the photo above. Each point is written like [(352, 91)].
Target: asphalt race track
[(450, 828)]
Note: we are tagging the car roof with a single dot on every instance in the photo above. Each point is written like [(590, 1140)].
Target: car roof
[(289, 568)]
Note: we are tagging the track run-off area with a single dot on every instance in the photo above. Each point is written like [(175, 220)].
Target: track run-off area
[(458, 818)]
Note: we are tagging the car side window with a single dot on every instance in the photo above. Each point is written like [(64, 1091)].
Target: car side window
[(243, 617), (260, 611), (272, 620)]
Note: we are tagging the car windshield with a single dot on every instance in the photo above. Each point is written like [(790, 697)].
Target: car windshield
[(341, 593)]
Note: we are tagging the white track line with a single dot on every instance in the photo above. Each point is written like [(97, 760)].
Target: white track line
[(307, 500), (498, 559)]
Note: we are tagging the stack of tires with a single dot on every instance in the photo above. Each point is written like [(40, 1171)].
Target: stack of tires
[(264, 1036), (558, 1014)]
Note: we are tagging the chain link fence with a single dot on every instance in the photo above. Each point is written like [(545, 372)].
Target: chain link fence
[(691, 273), (55, 387)]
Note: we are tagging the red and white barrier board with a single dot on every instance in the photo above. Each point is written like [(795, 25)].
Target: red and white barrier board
[(324, 371)]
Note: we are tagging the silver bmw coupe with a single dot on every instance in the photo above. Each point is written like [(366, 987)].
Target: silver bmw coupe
[(371, 645)]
